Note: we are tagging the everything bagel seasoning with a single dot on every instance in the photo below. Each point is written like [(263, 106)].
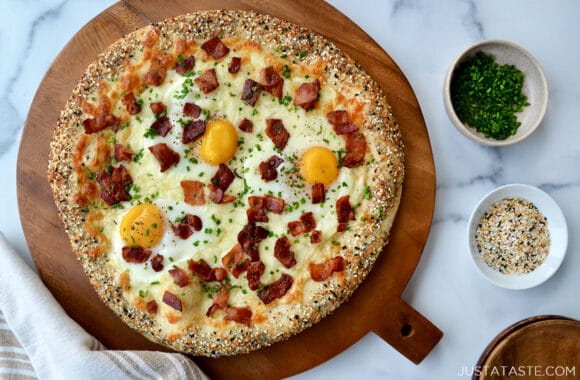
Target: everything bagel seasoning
[(513, 237)]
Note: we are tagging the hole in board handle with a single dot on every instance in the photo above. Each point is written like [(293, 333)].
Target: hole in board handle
[(406, 331)]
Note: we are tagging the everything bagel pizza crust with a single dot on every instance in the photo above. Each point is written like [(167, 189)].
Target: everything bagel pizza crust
[(220, 248)]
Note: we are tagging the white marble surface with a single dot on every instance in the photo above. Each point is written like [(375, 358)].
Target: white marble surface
[(423, 37)]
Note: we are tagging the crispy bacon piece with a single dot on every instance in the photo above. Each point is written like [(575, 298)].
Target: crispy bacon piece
[(193, 192), (341, 122), (274, 204), (90, 126), (122, 153), (184, 65), (255, 201), (192, 131), (249, 238), (356, 147), (241, 315), (219, 184), (130, 103), (306, 95), (236, 261), (309, 221), (345, 129), (215, 47), (165, 155), (250, 92), (344, 212), (180, 277), (246, 125), (318, 193), (283, 253), (115, 185), (315, 237), (171, 300), (220, 301), (254, 272), (268, 168), (256, 212), (208, 274), (202, 269), (157, 107), (306, 224), (276, 289), (320, 272), (100, 122), (193, 221), (277, 133), (207, 81), (151, 307), (258, 206), (271, 81), (191, 110), (157, 263), (220, 274), (135, 254), (182, 230), (235, 64), (296, 227), (161, 126), (218, 196), (155, 76), (339, 117), (223, 177)]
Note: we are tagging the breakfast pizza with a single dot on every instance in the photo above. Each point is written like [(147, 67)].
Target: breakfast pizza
[(226, 178)]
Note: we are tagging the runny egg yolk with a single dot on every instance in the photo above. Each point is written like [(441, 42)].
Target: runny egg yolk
[(143, 225), (319, 165), (219, 142)]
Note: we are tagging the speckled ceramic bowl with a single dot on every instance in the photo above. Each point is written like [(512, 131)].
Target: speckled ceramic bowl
[(535, 88), (556, 226)]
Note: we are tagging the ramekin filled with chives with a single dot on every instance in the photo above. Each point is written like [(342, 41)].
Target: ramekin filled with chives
[(495, 93)]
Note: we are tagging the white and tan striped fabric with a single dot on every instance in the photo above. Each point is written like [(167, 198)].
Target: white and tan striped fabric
[(39, 341), (14, 363)]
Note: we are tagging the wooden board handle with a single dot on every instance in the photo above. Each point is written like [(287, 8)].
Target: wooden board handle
[(407, 330)]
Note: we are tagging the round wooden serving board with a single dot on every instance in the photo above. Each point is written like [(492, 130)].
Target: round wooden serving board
[(375, 306), (544, 346)]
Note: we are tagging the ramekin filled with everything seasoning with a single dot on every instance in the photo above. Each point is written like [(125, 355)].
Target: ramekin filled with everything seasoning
[(517, 236), (513, 237), (495, 93)]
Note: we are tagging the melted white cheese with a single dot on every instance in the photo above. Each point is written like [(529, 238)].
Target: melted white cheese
[(222, 222)]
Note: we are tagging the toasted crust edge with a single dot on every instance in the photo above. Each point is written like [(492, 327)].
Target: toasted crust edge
[(383, 136)]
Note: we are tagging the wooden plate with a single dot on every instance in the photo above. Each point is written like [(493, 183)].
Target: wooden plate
[(376, 305), (537, 347)]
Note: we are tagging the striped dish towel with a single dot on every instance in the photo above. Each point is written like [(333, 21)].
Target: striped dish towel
[(39, 341)]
